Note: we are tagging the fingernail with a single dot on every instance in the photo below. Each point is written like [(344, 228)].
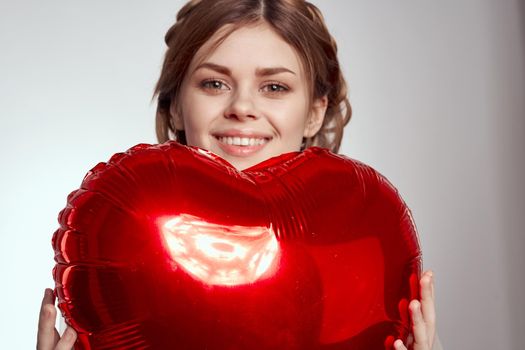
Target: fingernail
[(416, 306), (431, 277), (398, 343), (50, 293)]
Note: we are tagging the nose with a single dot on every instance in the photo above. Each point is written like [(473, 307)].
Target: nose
[(241, 106)]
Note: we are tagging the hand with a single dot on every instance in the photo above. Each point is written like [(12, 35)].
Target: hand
[(423, 317), (48, 337)]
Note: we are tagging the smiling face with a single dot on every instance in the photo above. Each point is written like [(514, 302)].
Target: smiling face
[(248, 99)]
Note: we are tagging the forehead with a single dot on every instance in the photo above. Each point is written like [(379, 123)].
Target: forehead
[(257, 44)]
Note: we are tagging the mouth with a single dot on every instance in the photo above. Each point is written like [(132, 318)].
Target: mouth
[(242, 141), (241, 145)]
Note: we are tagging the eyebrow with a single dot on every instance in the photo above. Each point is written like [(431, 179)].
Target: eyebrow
[(260, 72)]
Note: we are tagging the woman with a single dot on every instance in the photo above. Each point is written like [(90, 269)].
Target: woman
[(250, 80)]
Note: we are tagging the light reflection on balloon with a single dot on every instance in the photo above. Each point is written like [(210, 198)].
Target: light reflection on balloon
[(166, 243), (219, 254)]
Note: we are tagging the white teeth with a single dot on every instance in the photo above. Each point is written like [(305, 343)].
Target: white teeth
[(242, 141)]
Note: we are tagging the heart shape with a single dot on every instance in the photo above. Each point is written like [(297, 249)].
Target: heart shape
[(169, 246)]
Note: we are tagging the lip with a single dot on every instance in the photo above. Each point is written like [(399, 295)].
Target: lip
[(241, 151)]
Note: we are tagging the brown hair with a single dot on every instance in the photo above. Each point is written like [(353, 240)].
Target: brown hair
[(298, 22)]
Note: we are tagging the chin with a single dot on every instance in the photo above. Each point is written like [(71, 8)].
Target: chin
[(242, 164)]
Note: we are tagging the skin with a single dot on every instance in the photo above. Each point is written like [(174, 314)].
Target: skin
[(423, 316), (224, 90), (48, 337), (233, 89)]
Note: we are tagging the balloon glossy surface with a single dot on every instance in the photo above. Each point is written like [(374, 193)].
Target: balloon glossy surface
[(168, 246)]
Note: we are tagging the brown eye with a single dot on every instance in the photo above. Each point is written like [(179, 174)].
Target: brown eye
[(275, 87), (214, 85)]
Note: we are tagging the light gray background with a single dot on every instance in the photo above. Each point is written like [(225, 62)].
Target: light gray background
[(438, 93)]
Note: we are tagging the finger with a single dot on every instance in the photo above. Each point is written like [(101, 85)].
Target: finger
[(418, 326), (428, 304), (47, 335), (425, 283), (68, 339), (398, 345)]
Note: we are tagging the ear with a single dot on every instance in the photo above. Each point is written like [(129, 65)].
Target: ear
[(176, 117), (316, 118)]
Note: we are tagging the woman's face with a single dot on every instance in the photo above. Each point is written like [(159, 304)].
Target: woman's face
[(248, 99)]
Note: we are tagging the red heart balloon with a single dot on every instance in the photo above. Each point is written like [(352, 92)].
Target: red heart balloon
[(169, 246)]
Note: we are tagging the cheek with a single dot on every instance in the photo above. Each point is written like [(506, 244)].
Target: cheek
[(198, 111), (290, 115)]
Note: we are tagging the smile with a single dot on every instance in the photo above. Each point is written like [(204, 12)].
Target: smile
[(243, 141), (241, 145)]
